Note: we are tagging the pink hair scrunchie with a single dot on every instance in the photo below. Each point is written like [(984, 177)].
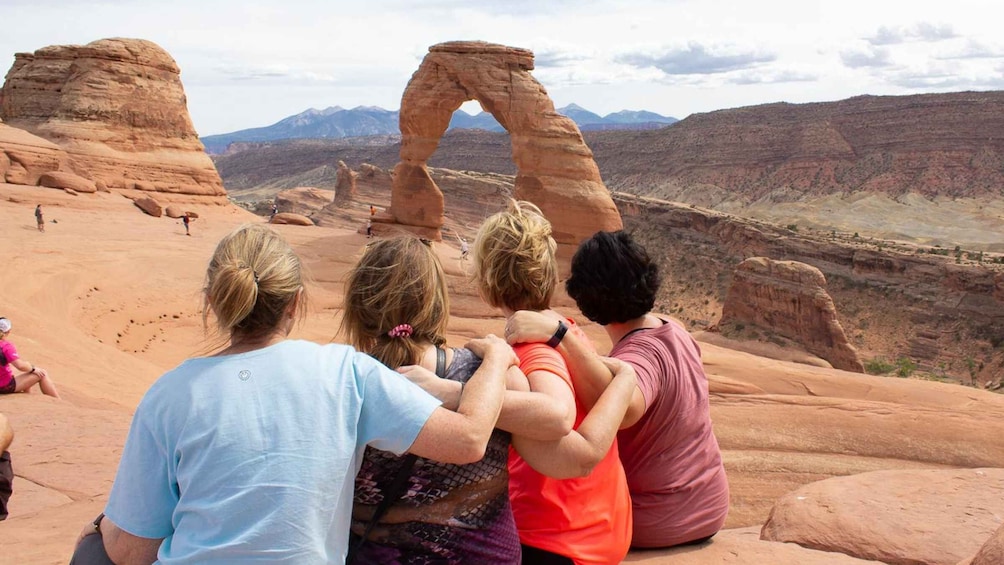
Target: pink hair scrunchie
[(403, 330)]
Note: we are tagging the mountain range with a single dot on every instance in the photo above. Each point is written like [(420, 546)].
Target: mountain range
[(338, 122)]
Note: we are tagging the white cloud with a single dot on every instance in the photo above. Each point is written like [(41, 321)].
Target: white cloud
[(247, 63), (868, 57), (697, 59), (922, 31)]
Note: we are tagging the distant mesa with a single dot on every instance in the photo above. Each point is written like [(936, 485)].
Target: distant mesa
[(115, 109), (947, 145), (337, 122), (555, 168)]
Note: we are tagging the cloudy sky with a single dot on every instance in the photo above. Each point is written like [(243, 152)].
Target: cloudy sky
[(249, 63)]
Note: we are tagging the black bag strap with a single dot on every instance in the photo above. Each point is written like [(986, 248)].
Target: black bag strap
[(440, 362), (397, 486)]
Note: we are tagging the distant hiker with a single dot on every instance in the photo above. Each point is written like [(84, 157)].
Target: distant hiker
[(369, 228), (6, 471), (30, 375), (464, 248), (372, 210), (39, 219), (275, 210), (185, 220)]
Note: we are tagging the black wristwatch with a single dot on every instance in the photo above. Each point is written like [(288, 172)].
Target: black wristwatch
[(97, 523), (559, 334)]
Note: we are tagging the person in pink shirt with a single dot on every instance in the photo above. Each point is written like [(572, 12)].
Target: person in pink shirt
[(679, 491), (30, 375)]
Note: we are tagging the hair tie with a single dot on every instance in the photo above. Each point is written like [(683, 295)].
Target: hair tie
[(403, 330), (255, 273)]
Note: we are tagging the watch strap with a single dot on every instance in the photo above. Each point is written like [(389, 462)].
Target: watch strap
[(559, 334)]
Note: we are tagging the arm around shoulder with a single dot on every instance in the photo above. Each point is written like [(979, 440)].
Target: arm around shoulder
[(461, 437), (576, 454)]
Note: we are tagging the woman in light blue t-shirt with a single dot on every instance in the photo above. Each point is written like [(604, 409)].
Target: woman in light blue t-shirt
[(249, 455)]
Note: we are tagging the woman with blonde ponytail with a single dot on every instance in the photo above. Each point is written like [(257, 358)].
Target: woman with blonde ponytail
[(248, 455)]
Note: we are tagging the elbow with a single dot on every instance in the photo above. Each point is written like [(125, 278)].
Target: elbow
[(470, 448), (585, 467), (561, 428)]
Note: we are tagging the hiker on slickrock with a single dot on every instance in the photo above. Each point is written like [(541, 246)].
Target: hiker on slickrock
[(30, 374)]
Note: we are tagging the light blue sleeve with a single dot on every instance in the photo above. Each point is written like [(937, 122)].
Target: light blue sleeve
[(394, 410), (144, 494)]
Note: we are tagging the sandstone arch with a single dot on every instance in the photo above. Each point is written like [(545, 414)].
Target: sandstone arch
[(556, 170)]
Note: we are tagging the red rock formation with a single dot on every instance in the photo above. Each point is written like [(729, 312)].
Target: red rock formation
[(118, 108), (149, 205), (556, 169), (956, 310), (932, 144), (936, 517), (345, 185), (743, 547), (790, 299), (70, 181), (992, 552), (291, 219), (304, 200), (24, 157)]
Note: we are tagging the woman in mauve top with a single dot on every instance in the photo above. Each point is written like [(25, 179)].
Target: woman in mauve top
[(679, 490)]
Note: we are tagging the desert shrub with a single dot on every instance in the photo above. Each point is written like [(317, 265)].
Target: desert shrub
[(905, 367), (792, 227), (878, 366)]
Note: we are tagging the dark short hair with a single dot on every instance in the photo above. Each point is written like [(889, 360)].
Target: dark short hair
[(613, 278)]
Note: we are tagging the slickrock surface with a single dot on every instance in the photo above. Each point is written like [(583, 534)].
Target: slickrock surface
[(63, 180), (118, 108), (936, 517), (555, 167), (742, 547), (106, 311), (304, 200), (25, 157), (992, 552), (790, 298), (291, 219)]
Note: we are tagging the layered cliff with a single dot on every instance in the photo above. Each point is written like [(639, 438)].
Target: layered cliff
[(947, 145), (118, 109)]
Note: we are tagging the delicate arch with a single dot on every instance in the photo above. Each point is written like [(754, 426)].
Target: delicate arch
[(555, 168)]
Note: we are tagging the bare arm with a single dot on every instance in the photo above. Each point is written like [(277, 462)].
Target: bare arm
[(580, 451), (122, 547), (461, 437), (6, 433), (534, 415), (22, 365), (589, 373)]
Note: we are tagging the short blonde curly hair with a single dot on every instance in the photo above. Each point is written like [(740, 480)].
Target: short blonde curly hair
[(514, 259)]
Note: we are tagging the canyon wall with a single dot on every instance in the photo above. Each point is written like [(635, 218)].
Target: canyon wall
[(946, 145)]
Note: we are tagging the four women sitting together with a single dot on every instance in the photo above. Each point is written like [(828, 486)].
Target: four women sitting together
[(278, 450)]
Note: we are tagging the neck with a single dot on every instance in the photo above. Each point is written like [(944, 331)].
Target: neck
[(617, 330), (243, 344)]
